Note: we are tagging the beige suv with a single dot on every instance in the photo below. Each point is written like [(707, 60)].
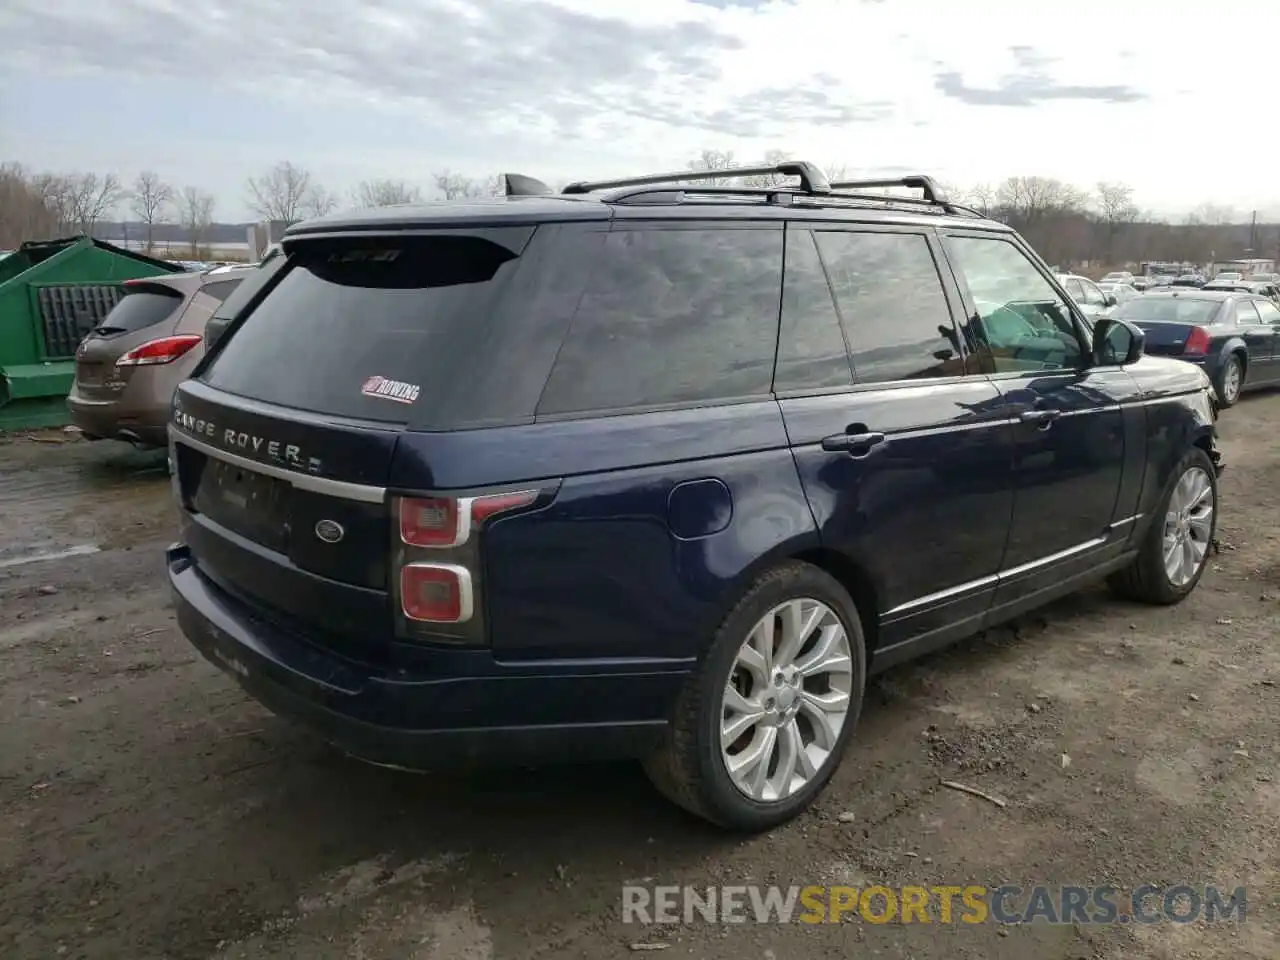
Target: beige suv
[(128, 365)]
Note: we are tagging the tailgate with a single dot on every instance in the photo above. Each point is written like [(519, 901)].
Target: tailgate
[(286, 511)]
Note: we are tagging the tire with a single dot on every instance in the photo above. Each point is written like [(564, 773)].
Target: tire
[(691, 768), (1147, 579), (1232, 372)]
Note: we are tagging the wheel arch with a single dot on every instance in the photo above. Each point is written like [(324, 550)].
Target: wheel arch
[(856, 578)]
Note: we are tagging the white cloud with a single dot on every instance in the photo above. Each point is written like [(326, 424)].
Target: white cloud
[(1124, 90)]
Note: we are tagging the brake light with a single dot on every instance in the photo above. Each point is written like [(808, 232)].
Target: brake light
[(1197, 341), (164, 350)]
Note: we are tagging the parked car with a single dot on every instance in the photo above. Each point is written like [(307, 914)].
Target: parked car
[(1269, 290), (660, 471), (1118, 276), (1093, 301), (1233, 336), (128, 365), (1261, 277), (1119, 292), (1142, 284), (1188, 280)]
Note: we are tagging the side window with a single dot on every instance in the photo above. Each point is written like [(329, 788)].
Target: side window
[(1092, 295), (1075, 289), (672, 316), (891, 302), (1021, 317), (1246, 312), (1269, 312), (219, 290), (811, 350)]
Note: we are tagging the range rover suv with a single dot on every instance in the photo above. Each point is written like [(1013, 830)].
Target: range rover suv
[(658, 469)]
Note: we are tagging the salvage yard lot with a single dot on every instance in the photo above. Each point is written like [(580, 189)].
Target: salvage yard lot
[(149, 809)]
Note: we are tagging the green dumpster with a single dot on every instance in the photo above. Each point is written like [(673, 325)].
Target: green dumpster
[(52, 293)]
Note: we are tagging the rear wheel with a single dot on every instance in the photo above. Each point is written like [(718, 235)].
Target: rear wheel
[(1230, 380), (1176, 548), (760, 729)]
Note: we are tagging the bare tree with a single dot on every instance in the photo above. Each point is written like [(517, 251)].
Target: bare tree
[(150, 201), (1214, 215), (1116, 210), (1048, 212), (27, 212), (711, 160), (195, 209), (56, 193), (318, 201), (980, 196), (457, 186), (281, 193), (1031, 199), (385, 193), (836, 171), (92, 198)]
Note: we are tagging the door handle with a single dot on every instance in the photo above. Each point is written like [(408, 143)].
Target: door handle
[(1041, 418), (854, 444)]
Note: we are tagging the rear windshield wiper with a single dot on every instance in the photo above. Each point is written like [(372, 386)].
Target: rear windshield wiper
[(104, 329)]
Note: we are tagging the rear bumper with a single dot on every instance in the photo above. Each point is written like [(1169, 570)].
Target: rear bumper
[(418, 718), (118, 419)]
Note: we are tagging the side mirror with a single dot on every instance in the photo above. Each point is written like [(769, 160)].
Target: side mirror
[(1116, 342), (1109, 299)]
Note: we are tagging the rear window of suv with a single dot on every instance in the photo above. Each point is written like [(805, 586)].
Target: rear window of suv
[(359, 328), (141, 307)]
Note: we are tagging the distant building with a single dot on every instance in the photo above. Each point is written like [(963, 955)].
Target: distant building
[(1246, 268)]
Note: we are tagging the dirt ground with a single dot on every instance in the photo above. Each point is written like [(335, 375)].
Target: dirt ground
[(148, 809)]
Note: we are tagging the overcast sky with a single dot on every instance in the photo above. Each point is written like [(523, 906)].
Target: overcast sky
[(1178, 100)]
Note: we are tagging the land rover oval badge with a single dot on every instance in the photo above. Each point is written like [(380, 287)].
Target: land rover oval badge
[(330, 531)]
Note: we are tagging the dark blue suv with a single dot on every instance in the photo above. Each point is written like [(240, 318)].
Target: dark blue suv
[(660, 469)]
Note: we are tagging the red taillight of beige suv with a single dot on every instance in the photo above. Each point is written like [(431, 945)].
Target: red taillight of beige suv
[(437, 562)]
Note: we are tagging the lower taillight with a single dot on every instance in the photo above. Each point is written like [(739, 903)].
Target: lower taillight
[(436, 552), (1197, 341), (164, 350), (436, 593)]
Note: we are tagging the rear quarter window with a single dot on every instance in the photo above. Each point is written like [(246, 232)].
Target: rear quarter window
[(672, 316)]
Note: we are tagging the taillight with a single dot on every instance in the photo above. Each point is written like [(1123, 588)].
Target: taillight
[(436, 592), (441, 522), (437, 557), (164, 350), (1197, 341)]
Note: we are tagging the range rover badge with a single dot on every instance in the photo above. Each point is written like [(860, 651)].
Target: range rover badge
[(330, 531)]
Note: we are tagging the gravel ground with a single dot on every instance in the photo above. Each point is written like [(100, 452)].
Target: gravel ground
[(148, 809)]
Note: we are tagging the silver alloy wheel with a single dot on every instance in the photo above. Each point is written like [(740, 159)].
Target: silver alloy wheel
[(1231, 381), (786, 700), (1188, 526)]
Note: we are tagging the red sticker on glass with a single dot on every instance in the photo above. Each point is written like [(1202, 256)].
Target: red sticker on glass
[(396, 390)]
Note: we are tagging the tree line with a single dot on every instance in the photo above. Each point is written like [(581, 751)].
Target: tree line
[(1067, 224), (43, 206)]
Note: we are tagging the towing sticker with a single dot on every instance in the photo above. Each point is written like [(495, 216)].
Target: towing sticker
[(396, 390)]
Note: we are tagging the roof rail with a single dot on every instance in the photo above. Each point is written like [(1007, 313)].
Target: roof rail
[(916, 181), (518, 185), (812, 179)]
